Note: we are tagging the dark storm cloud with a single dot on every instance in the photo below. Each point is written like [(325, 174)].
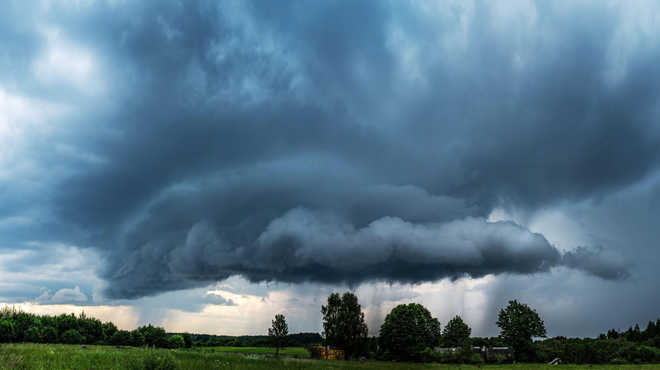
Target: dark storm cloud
[(337, 141)]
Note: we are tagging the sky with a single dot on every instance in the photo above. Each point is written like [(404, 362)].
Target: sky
[(204, 165)]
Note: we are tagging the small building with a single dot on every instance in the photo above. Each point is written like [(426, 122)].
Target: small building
[(329, 353), (556, 361)]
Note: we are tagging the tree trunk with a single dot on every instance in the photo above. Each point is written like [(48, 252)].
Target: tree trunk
[(277, 351)]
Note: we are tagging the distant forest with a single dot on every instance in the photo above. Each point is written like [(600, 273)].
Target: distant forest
[(633, 345), (17, 326), (295, 340)]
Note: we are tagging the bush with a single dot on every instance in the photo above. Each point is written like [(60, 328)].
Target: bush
[(121, 338), (176, 341), (137, 339), (188, 339), (7, 331), (32, 335), (313, 351), (475, 359), (72, 336), (462, 355), (49, 334)]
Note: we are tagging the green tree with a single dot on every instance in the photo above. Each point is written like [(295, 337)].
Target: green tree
[(7, 331), (343, 324), (154, 336), (72, 336), (121, 338), (407, 331), (188, 339), (455, 332), (109, 329), (49, 335), (519, 324), (278, 333), (176, 341), (137, 338), (32, 335)]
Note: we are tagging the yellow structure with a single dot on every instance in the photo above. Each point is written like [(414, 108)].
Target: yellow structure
[(331, 353)]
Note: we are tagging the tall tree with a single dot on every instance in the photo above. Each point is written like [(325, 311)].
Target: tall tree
[(519, 324), (456, 332), (343, 324), (407, 331), (278, 333)]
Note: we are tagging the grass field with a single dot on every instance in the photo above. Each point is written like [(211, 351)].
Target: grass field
[(287, 351), (56, 357)]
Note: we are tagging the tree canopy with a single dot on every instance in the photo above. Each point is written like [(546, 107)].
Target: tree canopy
[(343, 324), (408, 330), (455, 332), (278, 333), (519, 324)]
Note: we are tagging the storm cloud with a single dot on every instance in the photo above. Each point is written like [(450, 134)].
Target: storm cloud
[(328, 142)]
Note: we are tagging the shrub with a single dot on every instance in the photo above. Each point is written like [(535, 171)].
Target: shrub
[(475, 359), (7, 331), (137, 339), (32, 335), (176, 341), (313, 351), (618, 361), (121, 338), (72, 336), (499, 358), (188, 339), (49, 334)]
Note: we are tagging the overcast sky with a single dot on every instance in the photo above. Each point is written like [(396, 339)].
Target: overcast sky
[(204, 165)]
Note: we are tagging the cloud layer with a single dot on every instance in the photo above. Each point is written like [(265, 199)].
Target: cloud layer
[(334, 142)]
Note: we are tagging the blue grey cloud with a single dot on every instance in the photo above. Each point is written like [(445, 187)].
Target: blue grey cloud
[(187, 142)]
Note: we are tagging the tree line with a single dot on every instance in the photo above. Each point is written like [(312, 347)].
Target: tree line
[(409, 333), (294, 340), (17, 326)]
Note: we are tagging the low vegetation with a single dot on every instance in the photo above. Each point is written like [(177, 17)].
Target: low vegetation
[(56, 357)]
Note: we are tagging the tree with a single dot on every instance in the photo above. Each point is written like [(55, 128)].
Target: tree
[(32, 335), (176, 341), (137, 339), (519, 324), (278, 333), (407, 331), (49, 334), (120, 338), (154, 336), (72, 336), (343, 324), (7, 330), (455, 332), (188, 339)]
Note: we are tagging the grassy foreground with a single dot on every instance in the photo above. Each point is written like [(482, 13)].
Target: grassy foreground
[(42, 356)]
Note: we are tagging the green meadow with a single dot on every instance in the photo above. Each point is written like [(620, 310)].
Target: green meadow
[(48, 356)]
